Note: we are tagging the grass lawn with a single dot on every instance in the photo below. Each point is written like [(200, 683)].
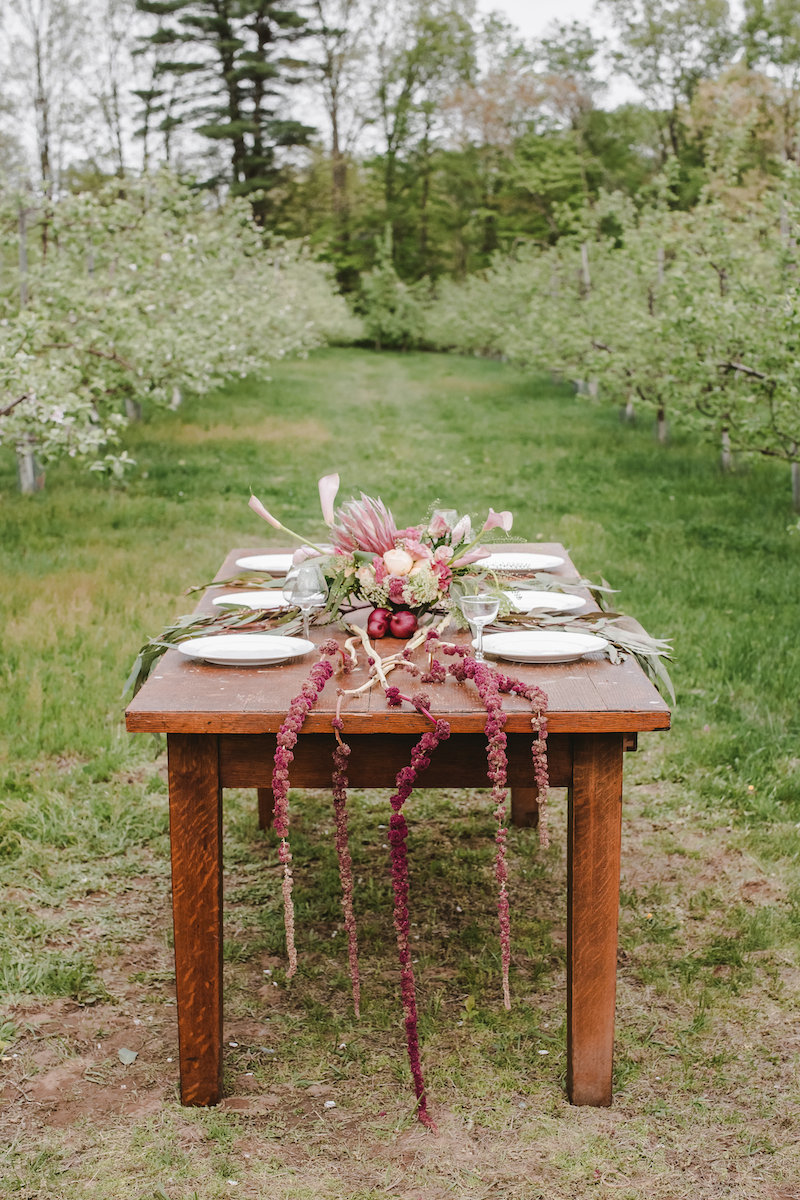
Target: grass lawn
[(707, 1092)]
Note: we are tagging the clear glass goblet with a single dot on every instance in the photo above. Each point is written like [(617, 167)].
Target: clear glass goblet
[(306, 589), (479, 611)]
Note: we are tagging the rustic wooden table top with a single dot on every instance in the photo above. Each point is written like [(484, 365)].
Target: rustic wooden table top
[(591, 695)]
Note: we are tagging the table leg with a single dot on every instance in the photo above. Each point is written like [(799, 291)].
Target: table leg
[(525, 807), (195, 819), (593, 862), (266, 807)]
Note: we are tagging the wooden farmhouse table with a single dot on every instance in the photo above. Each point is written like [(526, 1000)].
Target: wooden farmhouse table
[(221, 724)]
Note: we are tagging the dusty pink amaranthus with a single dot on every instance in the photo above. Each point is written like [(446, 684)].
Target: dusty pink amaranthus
[(398, 832), (287, 739), (341, 755)]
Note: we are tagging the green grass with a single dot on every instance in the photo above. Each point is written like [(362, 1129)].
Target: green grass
[(706, 1099)]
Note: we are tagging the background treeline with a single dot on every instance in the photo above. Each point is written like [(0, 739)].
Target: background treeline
[(185, 185), (340, 117)]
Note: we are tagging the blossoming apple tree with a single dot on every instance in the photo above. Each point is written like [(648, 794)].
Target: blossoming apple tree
[(145, 291), (693, 315)]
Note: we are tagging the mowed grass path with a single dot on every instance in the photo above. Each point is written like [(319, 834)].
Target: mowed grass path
[(711, 910)]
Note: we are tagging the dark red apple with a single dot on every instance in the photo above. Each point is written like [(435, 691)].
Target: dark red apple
[(402, 624), (378, 622)]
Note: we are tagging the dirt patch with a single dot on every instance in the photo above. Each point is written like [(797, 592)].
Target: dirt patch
[(269, 429), (706, 1102)]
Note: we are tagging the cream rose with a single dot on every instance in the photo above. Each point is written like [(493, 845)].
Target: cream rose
[(398, 562)]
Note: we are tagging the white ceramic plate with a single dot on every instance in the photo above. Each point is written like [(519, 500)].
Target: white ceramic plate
[(245, 649), (521, 562), (525, 600), (542, 645), (265, 599), (276, 564)]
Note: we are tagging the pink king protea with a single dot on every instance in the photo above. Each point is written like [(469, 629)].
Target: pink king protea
[(364, 524)]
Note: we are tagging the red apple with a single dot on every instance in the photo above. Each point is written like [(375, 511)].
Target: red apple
[(402, 624), (378, 622)]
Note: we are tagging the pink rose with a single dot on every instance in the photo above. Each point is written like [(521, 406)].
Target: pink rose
[(437, 526), (416, 549)]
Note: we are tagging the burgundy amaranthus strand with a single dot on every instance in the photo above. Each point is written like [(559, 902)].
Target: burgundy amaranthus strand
[(398, 832), (341, 755), (538, 702), (486, 681), (287, 739)]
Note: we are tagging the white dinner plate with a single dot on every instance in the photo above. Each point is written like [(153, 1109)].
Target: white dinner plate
[(521, 562), (542, 645), (264, 599), (526, 600), (245, 649), (275, 564)]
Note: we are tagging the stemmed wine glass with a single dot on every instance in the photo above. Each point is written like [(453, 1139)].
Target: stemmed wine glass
[(306, 589), (479, 611)]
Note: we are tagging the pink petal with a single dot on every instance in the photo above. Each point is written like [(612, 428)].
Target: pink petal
[(462, 531), (502, 520), (416, 548), (259, 508), (328, 487), (303, 554), (472, 557)]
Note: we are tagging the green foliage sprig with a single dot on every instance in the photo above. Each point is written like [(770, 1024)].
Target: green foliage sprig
[(192, 625)]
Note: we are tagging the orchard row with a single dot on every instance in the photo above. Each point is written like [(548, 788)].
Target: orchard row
[(122, 299), (693, 315)]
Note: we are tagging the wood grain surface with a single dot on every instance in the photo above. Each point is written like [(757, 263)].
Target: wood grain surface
[(593, 864), (587, 696), (247, 760), (195, 823)]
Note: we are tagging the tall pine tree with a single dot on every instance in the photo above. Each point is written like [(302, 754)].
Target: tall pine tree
[(233, 64)]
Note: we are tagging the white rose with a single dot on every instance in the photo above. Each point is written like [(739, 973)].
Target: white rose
[(398, 562)]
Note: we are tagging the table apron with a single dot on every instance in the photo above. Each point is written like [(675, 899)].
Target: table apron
[(246, 760)]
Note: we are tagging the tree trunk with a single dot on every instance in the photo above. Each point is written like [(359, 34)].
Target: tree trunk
[(726, 456), (42, 107), (586, 276), (661, 425), (23, 257), (628, 412), (133, 410), (425, 196), (177, 399), (795, 479), (29, 472)]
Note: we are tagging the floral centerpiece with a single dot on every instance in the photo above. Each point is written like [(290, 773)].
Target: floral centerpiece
[(398, 574)]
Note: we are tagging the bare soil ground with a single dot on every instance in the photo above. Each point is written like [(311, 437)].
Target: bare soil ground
[(707, 1103)]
